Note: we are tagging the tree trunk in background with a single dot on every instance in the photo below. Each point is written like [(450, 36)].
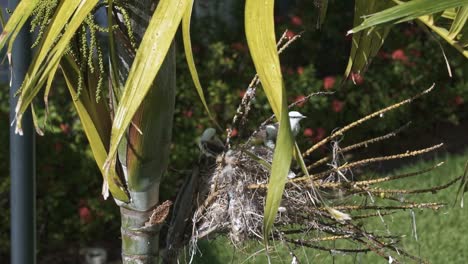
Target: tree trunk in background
[(144, 156)]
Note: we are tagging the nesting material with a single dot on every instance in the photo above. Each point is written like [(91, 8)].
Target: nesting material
[(326, 205)]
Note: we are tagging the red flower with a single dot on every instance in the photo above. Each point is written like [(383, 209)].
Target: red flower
[(320, 133), (399, 55), (290, 34), (85, 214), (289, 71), (308, 132), (296, 21), (357, 78), (300, 99), (188, 113), (242, 93), (383, 55), (458, 100), (415, 53), (239, 46), (234, 132), (337, 105), (65, 128), (300, 70), (328, 82)]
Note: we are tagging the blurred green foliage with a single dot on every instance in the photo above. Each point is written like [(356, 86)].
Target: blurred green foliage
[(69, 205)]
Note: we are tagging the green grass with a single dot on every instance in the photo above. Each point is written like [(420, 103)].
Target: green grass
[(442, 235)]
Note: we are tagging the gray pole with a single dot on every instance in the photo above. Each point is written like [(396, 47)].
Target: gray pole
[(22, 161)]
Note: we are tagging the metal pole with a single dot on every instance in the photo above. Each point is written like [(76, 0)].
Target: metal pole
[(22, 160)]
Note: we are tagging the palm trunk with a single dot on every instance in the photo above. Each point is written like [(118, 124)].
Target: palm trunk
[(144, 153), (139, 243)]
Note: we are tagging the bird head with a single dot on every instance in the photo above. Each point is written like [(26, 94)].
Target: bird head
[(294, 118)]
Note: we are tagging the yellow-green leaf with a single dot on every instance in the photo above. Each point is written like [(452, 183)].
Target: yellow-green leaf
[(366, 44), (260, 32), (190, 60), (69, 13), (16, 21), (93, 119), (459, 22), (148, 60), (407, 11)]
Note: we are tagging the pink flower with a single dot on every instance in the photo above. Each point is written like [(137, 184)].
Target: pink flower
[(399, 55), (337, 105), (290, 34), (383, 55), (85, 214), (65, 128), (300, 70), (320, 134), (329, 82), (239, 46), (357, 78), (296, 21), (308, 132), (458, 100), (416, 53), (234, 132), (188, 113), (242, 93), (301, 100)]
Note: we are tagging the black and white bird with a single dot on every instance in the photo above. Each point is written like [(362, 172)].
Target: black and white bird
[(271, 130), (210, 144)]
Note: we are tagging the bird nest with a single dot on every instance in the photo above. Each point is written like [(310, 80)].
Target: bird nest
[(328, 203)]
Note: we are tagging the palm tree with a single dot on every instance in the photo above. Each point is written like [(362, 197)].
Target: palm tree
[(129, 125)]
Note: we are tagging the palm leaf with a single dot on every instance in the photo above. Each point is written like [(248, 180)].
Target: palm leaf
[(459, 22), (149, 58), (17, 20), (260, 32), (366, 43), (44, 64), (96, 123), (407, 11), (190, 60)]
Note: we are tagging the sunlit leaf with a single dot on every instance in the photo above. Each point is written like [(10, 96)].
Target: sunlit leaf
[(69, 13), (366, 44), (407, 11), (459, 22), (148, 60), (17, 21), (260, 32), (190, 60), (96, 123)]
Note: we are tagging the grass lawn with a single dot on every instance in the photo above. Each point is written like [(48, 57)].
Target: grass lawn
[(442, 235)]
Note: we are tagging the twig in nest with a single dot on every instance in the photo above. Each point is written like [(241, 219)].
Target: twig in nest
[(364, 119), (404, 191), (434, 206), (359, 145)]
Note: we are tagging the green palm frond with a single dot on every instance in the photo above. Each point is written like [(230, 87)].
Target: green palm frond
[(454, 11), (260, 31)]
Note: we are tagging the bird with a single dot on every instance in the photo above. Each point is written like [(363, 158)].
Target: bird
[(209, 144), (271, 130)]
